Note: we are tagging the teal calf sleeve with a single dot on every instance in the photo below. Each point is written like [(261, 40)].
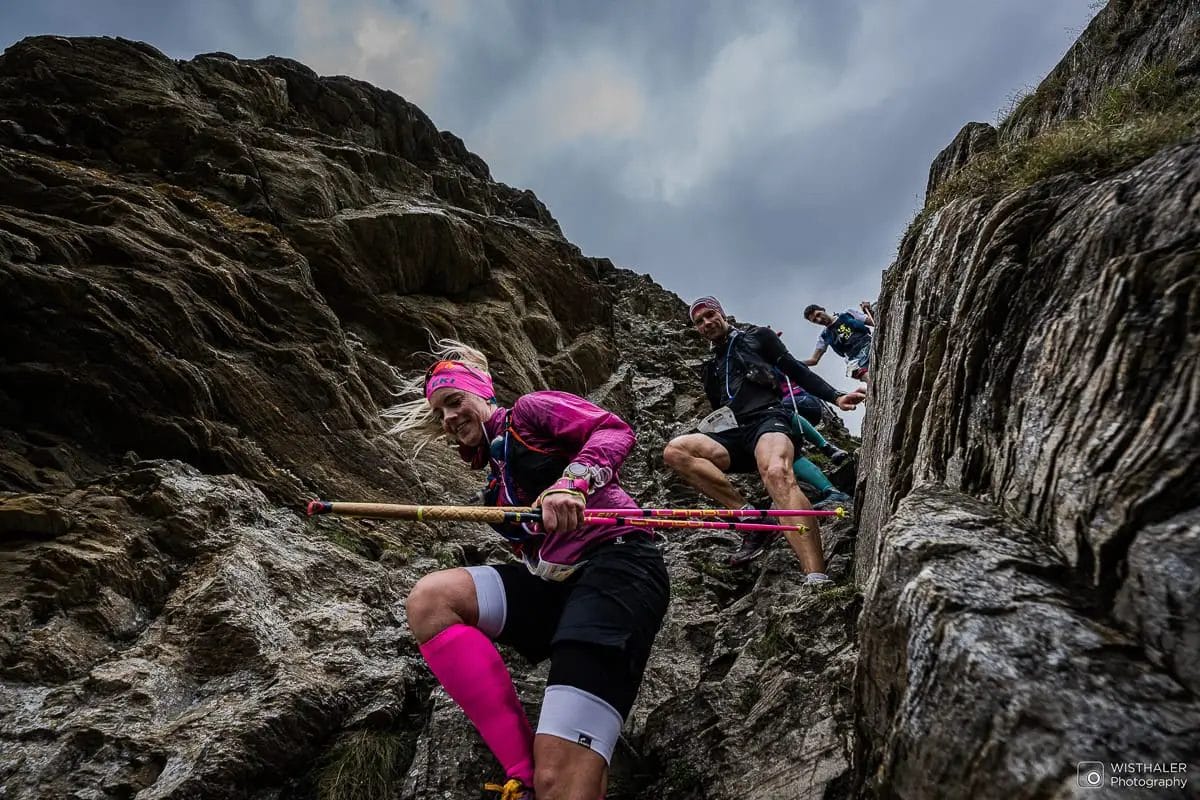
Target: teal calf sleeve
[(807, 472), (806, 428)]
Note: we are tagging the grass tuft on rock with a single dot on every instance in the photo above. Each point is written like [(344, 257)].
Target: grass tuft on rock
[(223, 215), (836, 596), (1129, 123), (363, 765)]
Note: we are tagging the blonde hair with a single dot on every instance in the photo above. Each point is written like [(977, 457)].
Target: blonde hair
[(415, 415)]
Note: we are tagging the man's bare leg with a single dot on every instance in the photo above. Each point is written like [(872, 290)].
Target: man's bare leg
[(774, 454), (700, 461)]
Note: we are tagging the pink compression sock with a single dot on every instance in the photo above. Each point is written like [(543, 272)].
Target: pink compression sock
[(466, 663)]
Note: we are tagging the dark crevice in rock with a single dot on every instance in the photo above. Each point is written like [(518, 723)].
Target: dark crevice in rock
[(275, 217)]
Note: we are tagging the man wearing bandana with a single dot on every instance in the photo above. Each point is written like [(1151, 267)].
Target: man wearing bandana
[(749, 430)]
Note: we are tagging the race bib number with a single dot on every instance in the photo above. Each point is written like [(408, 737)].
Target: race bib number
[(720, 420)]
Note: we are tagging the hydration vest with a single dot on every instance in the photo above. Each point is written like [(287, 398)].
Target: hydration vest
[(520, 472), (741, 363)]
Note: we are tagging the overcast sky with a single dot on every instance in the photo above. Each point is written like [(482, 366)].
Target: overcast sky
[(768, 152)]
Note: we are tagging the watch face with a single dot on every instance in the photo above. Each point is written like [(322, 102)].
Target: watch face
[(577, 471)]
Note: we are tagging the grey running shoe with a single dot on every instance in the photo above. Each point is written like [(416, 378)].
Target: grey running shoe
[(817, 579), (832, 499)]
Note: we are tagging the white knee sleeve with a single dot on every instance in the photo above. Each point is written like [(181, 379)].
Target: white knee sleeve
[(490, 597), (581, 717)]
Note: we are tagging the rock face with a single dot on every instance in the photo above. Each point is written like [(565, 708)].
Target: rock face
[(180, 638), (975, 138), (243, 249), (211, 272), (1123, 39), (1028, 534)]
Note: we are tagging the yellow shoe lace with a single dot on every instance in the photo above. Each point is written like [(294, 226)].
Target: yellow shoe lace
[(513, 789)]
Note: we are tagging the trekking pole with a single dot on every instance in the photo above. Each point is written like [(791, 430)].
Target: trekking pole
[(736, 513), (652, 522), (495, 515), (517, 514)]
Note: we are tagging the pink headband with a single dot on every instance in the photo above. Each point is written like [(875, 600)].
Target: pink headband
[(705, 302), (457, 375)]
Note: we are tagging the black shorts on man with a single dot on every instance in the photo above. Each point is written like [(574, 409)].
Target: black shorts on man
[(741, 441)]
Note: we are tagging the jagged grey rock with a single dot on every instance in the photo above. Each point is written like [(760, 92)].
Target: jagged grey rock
[(1028, 531), (184, 637), (973, 140), (984, 672), (1124, 38)]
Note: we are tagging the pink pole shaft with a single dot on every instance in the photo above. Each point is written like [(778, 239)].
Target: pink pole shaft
[(736, 513), (642, 522)]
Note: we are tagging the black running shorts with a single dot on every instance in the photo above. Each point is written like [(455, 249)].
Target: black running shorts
[(616, 600), (741, 441)]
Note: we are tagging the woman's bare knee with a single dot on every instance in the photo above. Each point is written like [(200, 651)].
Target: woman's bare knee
[(439, 600)]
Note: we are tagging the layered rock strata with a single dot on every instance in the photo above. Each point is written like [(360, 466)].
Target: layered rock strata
[(1028, 538)]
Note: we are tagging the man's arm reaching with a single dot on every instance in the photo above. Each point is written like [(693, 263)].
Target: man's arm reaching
[(773, 350)]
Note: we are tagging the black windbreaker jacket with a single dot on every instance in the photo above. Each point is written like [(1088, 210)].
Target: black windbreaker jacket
[(741, 372)]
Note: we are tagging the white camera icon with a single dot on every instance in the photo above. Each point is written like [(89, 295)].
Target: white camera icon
[(1091, 774)]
